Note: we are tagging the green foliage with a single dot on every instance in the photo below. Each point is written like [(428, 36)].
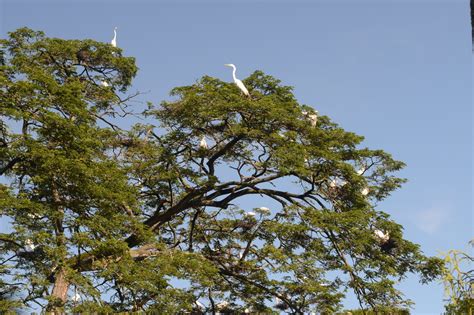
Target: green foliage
[(147, 220), (458, 283), (378, 311)]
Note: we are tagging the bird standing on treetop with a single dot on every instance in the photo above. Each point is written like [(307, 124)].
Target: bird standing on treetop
[(383, 237), (113, 42), (239, 83), (313, 119)]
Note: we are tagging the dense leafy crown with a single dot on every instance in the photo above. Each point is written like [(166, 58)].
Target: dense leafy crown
[(151, 219)]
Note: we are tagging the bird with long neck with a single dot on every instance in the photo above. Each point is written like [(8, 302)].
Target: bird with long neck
[(113, 42), (237, 82)]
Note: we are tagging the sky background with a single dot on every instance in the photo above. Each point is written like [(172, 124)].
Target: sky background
[(397, 72)]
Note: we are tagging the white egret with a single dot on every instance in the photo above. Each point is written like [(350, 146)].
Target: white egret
[(365, 191), (360, 171), (104, 83), (76, 297), (239, 83), (313, 119), (29, 245), (383, 237), (203, 143), (250, 214), (264, 210), (113, 42), (333, 183), (33, 215)]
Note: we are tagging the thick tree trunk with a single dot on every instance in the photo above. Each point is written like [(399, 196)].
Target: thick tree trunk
[(61, 284), (59, 294)]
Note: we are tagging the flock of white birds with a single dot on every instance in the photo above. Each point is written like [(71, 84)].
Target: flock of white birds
[(381, 236)]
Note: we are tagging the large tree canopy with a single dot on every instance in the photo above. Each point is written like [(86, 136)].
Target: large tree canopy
[(107, 219)]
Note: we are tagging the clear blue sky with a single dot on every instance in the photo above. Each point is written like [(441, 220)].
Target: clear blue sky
[(397, 72)]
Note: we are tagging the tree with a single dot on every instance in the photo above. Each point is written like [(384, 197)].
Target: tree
[(459, 284), (108, 219)]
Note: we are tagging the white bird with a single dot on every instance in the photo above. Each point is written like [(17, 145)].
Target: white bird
[(104, 83), (203, 143), (360, 171), (250, 214), (333, 183), (239, 83), (76, 297), (113, 42), (33, 215), (365, 191), (29, 245), (264, 209), (313, 119), (383, 237)]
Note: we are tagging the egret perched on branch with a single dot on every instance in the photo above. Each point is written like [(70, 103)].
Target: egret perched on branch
[(76, 297), (313, 118), (239, 83), (29, 245), (113, 42), (33, 215), (264, 210), (365, 191), (203, 143), (104, 83), (386, 242), (383, 237), (250, 214)]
